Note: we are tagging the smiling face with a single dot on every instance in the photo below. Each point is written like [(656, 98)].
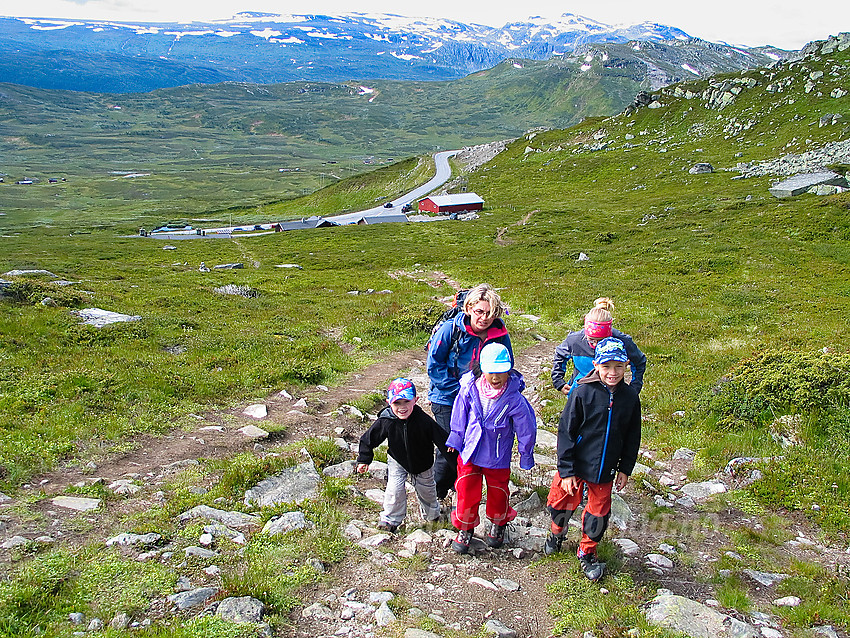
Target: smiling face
[(403, 408), (611, 372), (480, 317)]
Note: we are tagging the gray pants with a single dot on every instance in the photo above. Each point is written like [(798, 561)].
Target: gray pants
[(395, 496)]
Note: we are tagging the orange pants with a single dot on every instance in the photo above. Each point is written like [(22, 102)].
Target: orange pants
[(594, 520)]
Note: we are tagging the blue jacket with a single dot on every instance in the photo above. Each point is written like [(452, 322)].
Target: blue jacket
[(576, 347), (489, 441), (599, 431), (446, 364)]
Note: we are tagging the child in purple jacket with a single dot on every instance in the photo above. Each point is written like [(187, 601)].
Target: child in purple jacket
[(488, 413)]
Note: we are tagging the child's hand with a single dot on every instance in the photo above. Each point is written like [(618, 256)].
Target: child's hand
[(570, 484), (451, 449), (566, 390), (362, 468), (620, 481)]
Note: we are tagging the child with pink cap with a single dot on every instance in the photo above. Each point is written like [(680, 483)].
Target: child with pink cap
[(411, 435)]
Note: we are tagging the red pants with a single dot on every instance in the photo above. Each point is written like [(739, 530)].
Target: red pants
[(594, 520), (469, 482)]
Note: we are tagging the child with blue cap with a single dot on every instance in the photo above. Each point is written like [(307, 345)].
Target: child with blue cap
[(598, 443), (488, 413), (411, 434)]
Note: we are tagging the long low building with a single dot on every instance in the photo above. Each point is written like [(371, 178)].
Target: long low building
[(447, 204)]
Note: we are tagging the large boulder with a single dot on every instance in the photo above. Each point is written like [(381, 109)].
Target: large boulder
[(686, 616), (803, 182)]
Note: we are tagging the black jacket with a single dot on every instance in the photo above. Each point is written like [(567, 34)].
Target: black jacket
[(599, 431), (411, 440)]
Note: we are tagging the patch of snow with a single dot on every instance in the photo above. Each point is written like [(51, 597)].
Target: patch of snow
[(267, 33), (688, 67), (585, 67)]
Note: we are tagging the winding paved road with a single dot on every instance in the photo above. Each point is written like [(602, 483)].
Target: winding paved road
[(443, 172)]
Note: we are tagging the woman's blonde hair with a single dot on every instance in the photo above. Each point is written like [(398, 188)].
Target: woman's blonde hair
[(602, 310), (484, 292)]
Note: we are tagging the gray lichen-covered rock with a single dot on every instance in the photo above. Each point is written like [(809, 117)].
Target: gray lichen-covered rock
[(802, 183), (192, 598), (293, 485), (689, 617), (231, 519), (241, 609), (287, 522), (498, 628)]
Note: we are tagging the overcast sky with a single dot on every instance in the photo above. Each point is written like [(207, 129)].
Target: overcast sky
[(788, 24)]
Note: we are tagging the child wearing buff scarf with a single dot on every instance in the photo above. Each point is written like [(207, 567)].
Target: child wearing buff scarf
[(488, 413), (579, 347)]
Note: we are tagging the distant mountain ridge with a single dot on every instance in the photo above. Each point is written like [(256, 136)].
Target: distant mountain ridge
[(106, 56)]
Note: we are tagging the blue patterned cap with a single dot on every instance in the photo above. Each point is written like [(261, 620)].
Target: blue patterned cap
[(610, 349)]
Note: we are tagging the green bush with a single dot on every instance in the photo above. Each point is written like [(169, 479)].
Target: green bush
[(776, 382), (33, 291)]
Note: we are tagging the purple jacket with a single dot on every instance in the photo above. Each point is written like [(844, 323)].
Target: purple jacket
[(488, 442)]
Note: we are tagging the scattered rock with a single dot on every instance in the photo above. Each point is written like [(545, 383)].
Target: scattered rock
[(476, 580), (15, 541), (684, 454), (256, 411), (77, 503), (700, 491), (286, 523), (680, 614), (340, 470), (240, 610), (787, 601), (231, 519), (493, 626), (701, 168), (253, 432), (802, 183), (384, 615), (193, 597), (99, 318), (121, 620), (767, 579), (293, 485), (199, 552), (319, 612), (145, 540), (627, 546)]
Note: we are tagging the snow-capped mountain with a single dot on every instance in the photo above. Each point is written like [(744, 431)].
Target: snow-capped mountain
[(267, 48)]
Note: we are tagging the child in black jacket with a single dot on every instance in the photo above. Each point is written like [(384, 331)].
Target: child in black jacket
[(598, 444), (411, 435)]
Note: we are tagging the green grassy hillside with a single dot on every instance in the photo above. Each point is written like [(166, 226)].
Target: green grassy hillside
[(141, 159)]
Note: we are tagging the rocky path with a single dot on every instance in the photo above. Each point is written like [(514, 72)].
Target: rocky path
[(661, 537)]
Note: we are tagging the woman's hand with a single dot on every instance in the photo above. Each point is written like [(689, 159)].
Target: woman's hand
[(362, 468), (451, 449)]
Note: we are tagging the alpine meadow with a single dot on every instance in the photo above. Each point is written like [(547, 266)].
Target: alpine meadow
[(738, 298)]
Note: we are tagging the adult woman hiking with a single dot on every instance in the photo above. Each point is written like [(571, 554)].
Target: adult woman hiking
[(455, 347)]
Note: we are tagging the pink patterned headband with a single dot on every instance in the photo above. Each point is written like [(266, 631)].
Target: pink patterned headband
[(597, 329)]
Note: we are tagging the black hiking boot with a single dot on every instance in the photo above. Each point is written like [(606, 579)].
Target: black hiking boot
[(496, 536), (387, 527), (592, 568), (553, 543), (461, 542)]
